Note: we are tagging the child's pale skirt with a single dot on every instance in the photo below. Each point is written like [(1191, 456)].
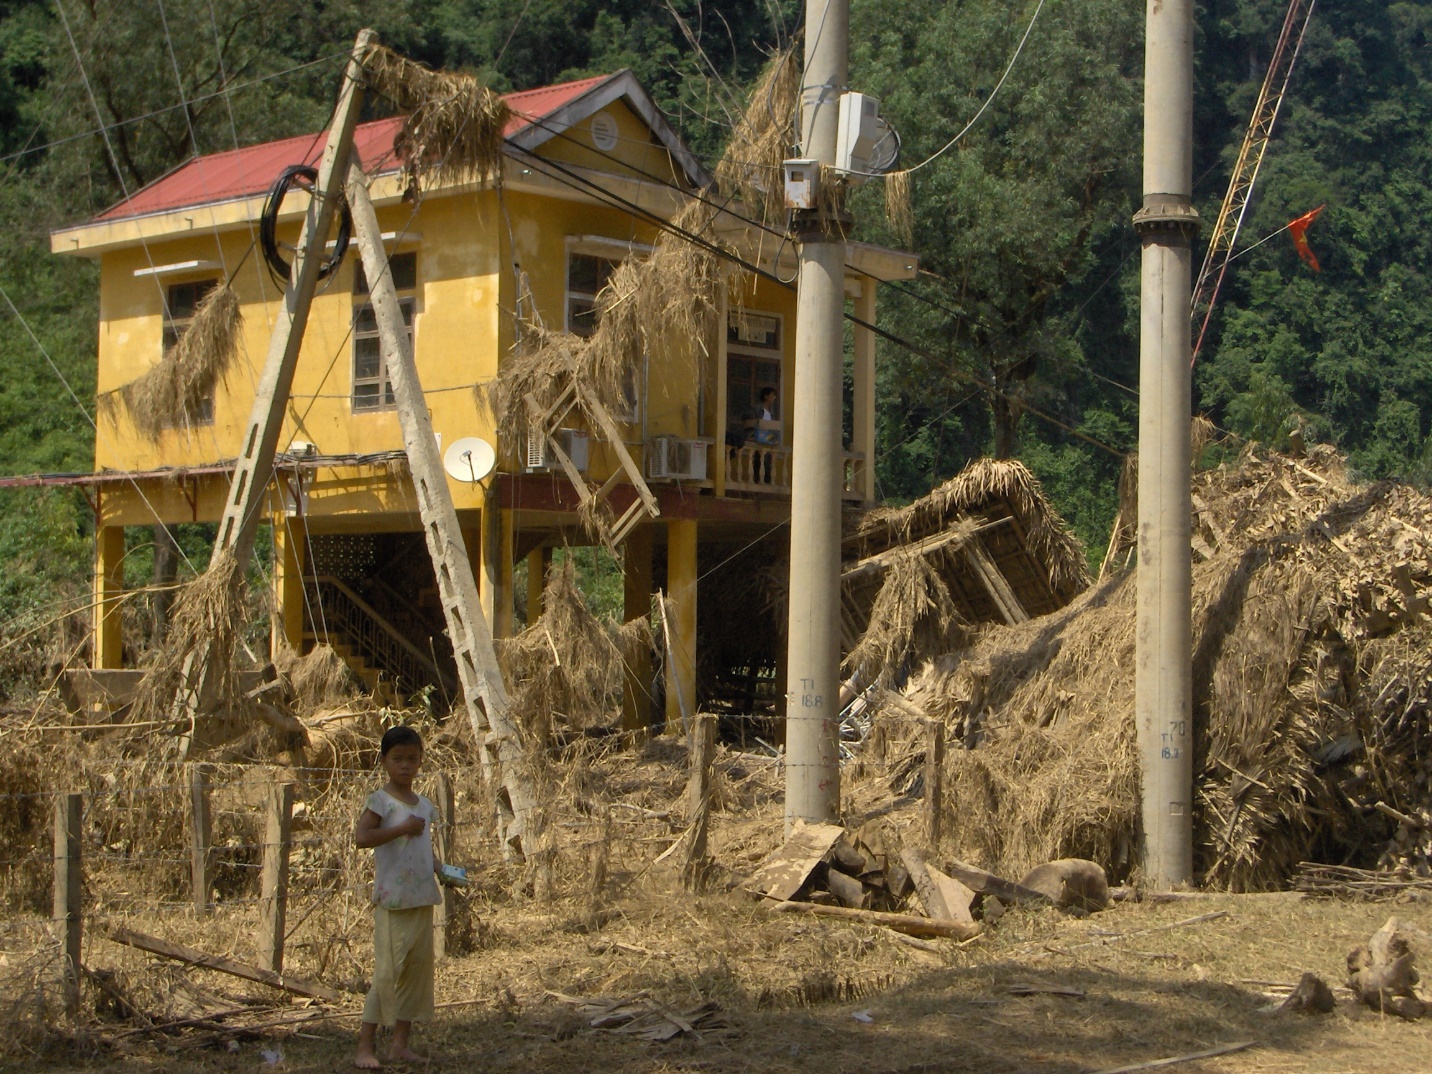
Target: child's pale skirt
[(402, 967)]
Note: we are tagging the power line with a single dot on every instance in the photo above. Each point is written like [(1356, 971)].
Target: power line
[(104, 128), (580, 182), (976, 118)]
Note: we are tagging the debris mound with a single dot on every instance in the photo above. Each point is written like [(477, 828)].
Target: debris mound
[(1382, 975), (1312, 654)]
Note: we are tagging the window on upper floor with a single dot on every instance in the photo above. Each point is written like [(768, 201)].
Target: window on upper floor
[(180, 302), (372, 389), (753, 365), (587, 274)]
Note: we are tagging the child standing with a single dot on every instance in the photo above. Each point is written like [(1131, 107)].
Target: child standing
[(396, 824)]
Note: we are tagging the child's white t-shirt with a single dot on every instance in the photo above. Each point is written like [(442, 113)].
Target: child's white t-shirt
[(403, 867)]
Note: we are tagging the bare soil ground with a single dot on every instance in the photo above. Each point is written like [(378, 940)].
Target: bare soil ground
[(802, 994)]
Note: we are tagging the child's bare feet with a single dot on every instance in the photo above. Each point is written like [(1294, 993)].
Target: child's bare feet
[(403, 1054), (366, 1060)]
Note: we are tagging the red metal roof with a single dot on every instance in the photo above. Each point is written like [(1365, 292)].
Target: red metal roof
[(242, 173)]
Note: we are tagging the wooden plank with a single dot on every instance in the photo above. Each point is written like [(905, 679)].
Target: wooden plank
[(69, 892), (1174, 1060), (179, 953), (698, 796), (909, 924), (985, 883), (273, 892), (201, 835), (444, 832), (784, 873), (944, 898), (995, 583), (934, 781)]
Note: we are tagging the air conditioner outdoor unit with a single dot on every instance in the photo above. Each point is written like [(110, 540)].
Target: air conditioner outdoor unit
[(676, 459), (540, 455)]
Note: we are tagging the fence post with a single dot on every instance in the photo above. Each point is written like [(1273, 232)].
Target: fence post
[(934, 781), (201, 834), (273, 907), (698, 796), (444, 833), (69, 881)]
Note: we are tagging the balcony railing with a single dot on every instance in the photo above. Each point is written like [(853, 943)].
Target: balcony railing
[(767, 470)]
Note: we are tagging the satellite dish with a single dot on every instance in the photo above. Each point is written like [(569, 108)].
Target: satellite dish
[(469, 459)]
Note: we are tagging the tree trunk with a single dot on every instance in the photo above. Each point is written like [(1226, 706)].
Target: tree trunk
[(1007, 413)]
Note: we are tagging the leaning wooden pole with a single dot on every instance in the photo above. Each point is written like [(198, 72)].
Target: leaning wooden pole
[(243, 508), (504, 757)]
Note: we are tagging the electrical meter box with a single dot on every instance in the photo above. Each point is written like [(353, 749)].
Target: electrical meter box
[(864, 142), (802, 180)]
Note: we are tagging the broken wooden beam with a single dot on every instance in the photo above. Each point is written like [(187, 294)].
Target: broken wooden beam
[(190, 956), (985, 883), (910, 924), (944, 897)]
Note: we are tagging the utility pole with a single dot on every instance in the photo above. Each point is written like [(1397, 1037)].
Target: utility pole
[(813, 637), (1163, 631), (504, 758), (248, 489)]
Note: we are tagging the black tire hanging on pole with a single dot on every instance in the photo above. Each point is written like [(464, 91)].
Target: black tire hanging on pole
[(305, 176)]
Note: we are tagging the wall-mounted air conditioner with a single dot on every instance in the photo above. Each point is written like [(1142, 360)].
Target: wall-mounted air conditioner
[(672, 458), (540, 455)]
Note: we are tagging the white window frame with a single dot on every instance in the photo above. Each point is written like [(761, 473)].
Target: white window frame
[(408, 304)]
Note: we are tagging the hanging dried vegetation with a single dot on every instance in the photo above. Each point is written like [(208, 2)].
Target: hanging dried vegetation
[(454, 126), (669, 302), (174, 393), (912, 614)]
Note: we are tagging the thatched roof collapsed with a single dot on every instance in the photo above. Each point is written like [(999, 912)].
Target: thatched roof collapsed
[(1030, 543), (1312, 662)]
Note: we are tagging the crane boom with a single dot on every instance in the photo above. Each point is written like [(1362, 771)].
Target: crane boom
[(1224, 236)]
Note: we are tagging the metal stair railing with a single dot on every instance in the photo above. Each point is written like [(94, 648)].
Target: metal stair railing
[(380, 643)]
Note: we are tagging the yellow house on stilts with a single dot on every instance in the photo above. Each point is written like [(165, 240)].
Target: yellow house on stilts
[(590, 168)]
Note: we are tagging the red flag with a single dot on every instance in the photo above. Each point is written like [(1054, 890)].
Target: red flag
[(1299, 230)]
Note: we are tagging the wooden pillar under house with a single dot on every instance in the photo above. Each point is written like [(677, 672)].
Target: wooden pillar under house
[(290, 557), (108, 595), (538, 560), (681, 536), (636, 604)]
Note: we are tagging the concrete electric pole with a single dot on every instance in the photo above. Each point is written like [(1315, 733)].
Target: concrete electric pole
[(1163, 655), (813, 655)]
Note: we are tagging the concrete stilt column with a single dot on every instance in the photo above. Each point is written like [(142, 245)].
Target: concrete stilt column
[(636, 604), (108, 590), (538, 560), (681, 606), (290, 553)]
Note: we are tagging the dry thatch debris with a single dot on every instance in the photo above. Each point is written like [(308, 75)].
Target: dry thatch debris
[(564, 671), (174, 393), (204, 631), (454, 126), (1382, 975), (1347, 882), (641, 1016), (913, 613), (1312, 655)]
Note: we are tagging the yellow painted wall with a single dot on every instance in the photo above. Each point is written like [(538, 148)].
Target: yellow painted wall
[(465, 292)]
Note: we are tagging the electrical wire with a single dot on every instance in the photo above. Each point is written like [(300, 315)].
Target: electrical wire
[(937, 154)]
